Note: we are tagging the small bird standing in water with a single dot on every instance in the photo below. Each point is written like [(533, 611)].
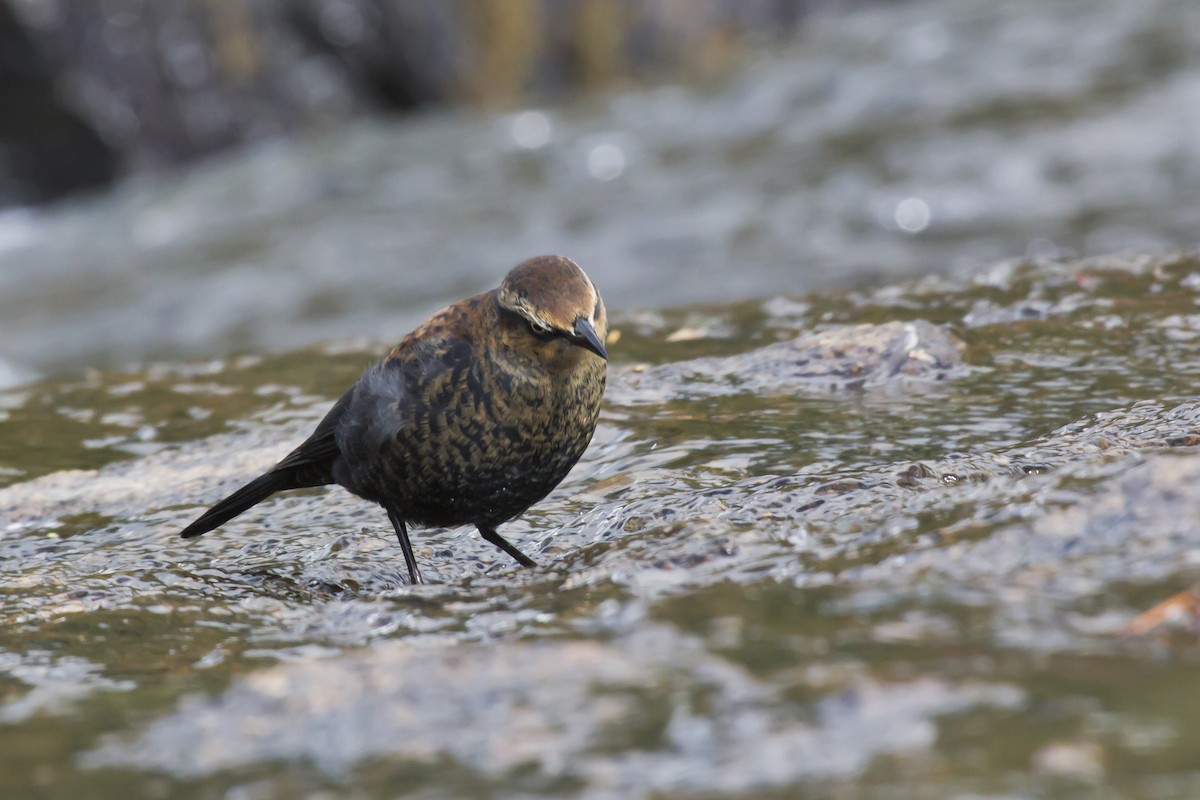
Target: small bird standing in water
[(475, 416)]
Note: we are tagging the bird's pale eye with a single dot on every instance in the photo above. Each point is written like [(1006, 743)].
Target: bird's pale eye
[(539, 328)]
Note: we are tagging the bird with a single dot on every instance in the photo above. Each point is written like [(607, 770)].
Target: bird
[(472, 418)]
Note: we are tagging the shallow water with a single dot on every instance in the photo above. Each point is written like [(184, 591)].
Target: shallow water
[(802, 557), (912, 587)]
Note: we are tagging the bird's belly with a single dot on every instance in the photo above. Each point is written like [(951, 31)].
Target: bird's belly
[(492, 495), (453, 472), (488, 487)]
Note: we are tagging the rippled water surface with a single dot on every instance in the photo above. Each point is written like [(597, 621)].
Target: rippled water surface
[(877, 539), (801, 586)]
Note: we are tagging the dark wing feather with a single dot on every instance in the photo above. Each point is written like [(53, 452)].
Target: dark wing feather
[(310, 464)]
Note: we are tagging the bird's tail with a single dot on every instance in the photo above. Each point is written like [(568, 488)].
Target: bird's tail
[(249, 495), (310, 464)]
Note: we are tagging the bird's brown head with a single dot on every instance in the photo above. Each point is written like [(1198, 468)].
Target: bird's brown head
[(559, 313)]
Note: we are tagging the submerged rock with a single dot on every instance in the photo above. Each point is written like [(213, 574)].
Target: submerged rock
[(837, 359)]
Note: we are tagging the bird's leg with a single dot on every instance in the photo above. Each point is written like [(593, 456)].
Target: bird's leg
[(489, 533), (414, 574)]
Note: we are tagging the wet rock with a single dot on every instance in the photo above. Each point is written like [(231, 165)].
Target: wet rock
[(46, 148), (1134, 522), (837, 359)]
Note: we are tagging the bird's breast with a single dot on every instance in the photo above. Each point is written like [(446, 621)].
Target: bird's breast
[(479, 439)]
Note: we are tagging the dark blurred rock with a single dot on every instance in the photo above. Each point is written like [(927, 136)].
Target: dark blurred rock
[(92, 90), (45, 149)]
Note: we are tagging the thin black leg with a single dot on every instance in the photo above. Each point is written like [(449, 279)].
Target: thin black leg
[(414, 574), (490, 535)]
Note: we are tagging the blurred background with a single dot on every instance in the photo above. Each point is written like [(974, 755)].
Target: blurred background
[(194, 178)]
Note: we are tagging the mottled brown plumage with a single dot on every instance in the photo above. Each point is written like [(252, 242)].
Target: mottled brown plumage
[(475, 416)]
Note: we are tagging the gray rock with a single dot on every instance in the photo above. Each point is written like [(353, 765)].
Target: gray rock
[(838, 359)]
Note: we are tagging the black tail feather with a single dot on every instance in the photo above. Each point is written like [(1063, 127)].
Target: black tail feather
[(249, 495), (310, 464)]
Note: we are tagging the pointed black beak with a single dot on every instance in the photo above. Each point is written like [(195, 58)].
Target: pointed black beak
[(587, 338)]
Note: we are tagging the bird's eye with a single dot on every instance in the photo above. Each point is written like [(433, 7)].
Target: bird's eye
[(539, 328)]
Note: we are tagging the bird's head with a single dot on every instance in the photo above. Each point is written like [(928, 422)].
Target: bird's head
[(557, 311)]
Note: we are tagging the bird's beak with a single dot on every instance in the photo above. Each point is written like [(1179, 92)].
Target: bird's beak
[(587, 338)]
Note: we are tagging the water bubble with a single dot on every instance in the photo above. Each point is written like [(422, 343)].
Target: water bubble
[(19, 228), (1042, 248), (929, 41), (531, 130), (155, 228), (120, 12), (187, 63), (912, 215), (605, 162), (341, 24), (12, 375)]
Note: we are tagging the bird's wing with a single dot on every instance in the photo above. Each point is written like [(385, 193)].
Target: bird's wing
[(311, 464)]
